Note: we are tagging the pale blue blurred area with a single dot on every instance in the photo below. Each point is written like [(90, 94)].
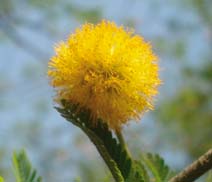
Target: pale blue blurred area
[(26, 99)]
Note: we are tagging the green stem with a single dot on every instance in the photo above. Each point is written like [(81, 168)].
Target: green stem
[(81, 120), (105, 155), (102, 151), (122, 142)]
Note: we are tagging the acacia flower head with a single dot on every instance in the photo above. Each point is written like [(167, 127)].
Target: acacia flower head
[(108, 70)]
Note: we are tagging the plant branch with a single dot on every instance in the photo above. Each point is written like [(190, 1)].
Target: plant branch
[(81, 121), (104, 153), (102, 150), (122, 142), (196, 169)]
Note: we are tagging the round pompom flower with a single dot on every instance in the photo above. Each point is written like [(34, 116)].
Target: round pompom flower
[(107, 70)]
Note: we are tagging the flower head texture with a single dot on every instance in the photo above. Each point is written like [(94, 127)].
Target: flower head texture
[(108, 70)]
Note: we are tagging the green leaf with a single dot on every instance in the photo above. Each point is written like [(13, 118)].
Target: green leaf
[(99, 134), (1, 179), (209, 176), (142, 170), (156, 166), (77, 179), (136, 173), (23, 169)]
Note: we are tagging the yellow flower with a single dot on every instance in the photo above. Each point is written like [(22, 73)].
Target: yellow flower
[(108, 70)]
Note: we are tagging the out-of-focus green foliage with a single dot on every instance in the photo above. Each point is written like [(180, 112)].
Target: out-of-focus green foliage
[(204, 8), (92, 15), (1, 179), (186, 114), (209, 176), (190, 111), (3, 170)]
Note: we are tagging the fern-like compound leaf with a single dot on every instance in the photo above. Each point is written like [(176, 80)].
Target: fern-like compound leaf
[(23, 169)]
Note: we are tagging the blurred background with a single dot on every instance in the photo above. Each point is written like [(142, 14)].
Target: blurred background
[(180, 127)]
